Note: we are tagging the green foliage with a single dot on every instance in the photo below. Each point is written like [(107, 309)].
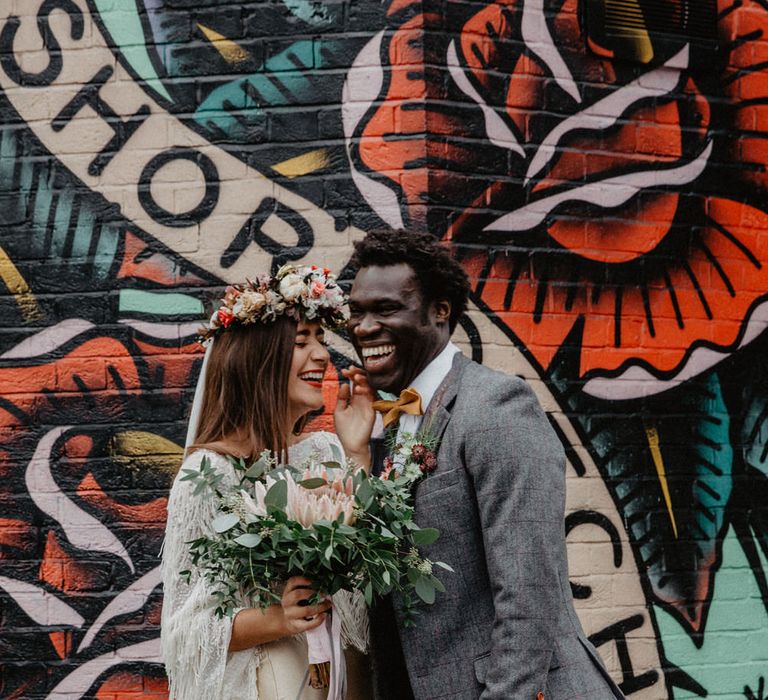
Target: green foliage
[(251, 555)]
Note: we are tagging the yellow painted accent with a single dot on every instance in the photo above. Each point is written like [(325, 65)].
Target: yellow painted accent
[(18, 286), (637, 35), (658, 461), (139, 448), (230, 51), (303, 164)]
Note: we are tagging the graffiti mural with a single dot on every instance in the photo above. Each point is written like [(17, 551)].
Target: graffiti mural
[(598, 166)]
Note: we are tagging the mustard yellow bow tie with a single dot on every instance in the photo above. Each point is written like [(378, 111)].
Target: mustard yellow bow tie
[(409, 402)]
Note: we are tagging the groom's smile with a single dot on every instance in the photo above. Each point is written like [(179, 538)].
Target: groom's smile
[(394, 332), (376, 357)]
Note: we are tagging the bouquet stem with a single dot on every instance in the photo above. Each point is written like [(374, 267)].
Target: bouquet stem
[(326, 658), (320, 675)]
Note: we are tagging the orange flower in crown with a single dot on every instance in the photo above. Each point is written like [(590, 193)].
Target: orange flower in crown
[(306, 293)]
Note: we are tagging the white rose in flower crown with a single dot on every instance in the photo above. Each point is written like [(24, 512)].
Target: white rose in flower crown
[(292, 287), (275, 302), (333, 296), (251, 302)]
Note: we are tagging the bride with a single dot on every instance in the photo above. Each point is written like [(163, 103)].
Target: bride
[(261, 378)]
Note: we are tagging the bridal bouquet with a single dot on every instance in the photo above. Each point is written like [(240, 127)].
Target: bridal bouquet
[(328, 521)]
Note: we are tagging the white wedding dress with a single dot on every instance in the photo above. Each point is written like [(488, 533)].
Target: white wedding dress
[(195, 640)]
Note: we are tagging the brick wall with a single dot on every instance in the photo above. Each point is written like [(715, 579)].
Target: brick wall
[(607, 196)]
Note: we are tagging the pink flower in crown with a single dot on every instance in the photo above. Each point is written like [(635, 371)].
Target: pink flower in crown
[(317, 289), (230, 296)]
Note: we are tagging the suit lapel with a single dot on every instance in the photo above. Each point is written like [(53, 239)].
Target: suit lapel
[(438, 412)]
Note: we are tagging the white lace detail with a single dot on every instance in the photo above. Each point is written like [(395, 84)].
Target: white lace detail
[(194, 640)]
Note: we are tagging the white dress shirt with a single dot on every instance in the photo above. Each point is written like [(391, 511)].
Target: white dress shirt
[(427, 384)]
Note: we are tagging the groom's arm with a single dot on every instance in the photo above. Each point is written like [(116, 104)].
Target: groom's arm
[(517, 464)]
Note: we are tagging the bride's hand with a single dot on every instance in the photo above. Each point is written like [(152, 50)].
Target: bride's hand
[(354, 416), (297, 615)]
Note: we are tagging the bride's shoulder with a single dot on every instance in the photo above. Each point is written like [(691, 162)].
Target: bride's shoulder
[(195, 458), (321, 443)]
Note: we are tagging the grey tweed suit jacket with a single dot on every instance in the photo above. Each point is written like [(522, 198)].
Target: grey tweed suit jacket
[(505, 629)]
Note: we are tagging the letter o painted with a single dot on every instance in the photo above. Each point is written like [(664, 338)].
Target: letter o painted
[(202, 210)]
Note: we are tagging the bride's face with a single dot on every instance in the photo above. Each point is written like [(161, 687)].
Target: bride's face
[(310, 360)]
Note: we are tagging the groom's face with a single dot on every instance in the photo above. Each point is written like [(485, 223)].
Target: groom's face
[(396, 334)]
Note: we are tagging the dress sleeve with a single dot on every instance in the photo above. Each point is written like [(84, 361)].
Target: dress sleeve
[(195, 640), (330, 445)]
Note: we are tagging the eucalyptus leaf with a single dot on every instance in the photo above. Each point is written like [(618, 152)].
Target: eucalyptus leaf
[(443, 565), (313, 483), (249, 539), (332, 464), (277, 496), (257, 469), (337, 454), (437, 584), (364, 493), (425, 536), (225, 522), (425, 590), (368, 593)]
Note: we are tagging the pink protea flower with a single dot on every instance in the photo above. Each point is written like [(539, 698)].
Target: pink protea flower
[(307, 506), (334, 482), (328, 502)]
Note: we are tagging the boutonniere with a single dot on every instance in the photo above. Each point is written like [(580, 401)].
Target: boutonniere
[(412, 456)]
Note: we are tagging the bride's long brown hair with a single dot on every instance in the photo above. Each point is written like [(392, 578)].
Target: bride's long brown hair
[(246, 387)]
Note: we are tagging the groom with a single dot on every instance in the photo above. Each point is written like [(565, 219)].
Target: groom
[(505, 629)]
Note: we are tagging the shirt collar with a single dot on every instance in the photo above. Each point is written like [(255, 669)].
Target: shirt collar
[(432, 375)]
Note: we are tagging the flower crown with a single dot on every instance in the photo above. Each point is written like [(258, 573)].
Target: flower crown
[(307, 293)]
